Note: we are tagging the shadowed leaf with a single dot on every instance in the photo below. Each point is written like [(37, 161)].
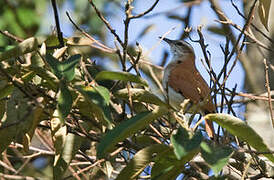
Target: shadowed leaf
[(140, 161), (183, 143), (71, 146), (167, 166), (65, 69), (98, 99), (5, 91), (64, 101), (216, 157), (126, 129)]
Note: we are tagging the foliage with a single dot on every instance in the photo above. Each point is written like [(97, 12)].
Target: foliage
[(85, 121)]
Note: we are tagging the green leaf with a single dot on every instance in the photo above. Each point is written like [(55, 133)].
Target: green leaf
[(263, 10), (167, 166), (183, 143), (52, 40), (2, 107), (28, 13), (28, 76), (98, 103), (65, 69), (64, 101), (34, 120), (140, 161), (54, 63), (122, 76), (19, 120), (216, 157), (239, 128), (48, 76), (140, 95), (126, 129), (104, 92), (22, 48), (71, 146), (5, 91)]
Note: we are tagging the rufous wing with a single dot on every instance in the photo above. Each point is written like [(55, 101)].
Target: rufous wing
[(184, 78)]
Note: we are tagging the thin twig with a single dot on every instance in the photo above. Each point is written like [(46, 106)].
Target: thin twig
[(101, 47), (145, 12), (100, 15), (254, 26), (11, 36), (59, 32), (268, 92)]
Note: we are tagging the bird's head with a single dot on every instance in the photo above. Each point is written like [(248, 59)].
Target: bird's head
[(180, 48)]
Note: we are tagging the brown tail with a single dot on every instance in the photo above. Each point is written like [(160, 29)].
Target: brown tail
[(209, 127)]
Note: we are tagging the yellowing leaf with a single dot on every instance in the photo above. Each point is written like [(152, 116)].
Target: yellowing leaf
[(122, 76), (140, 95)]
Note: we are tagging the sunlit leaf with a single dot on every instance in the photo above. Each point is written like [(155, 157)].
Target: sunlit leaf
[(239, 128), (80, 41), (140, 95), (104, 92), (52, 40), (28, 76), (126, 129), (140, 161), (216, 156), (123, 76), (263, 10), (81, 45), (22, 48), (183, 142)]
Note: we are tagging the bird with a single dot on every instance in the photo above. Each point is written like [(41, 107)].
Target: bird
[(182, 81)]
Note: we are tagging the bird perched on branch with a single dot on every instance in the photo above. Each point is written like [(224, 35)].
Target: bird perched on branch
[(182, 81)]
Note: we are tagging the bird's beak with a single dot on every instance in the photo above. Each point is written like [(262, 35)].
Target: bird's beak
[(168, 40)]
